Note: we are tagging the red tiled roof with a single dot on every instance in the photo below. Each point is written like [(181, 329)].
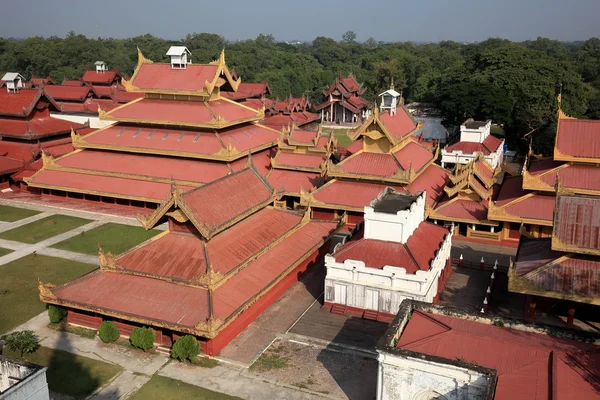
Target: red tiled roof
[(218, 203), (578, 138), (538, 167), (184, 169), (399, 124), (9, 165), (577, 221), (36, 127), (247, 90), (260, 273), (248, 136), (104, 91), (529, 365), (72, 82), (257, 104), (70, 93), (95, 184), (365, 163), (464, 209), (433, 180), (106, 77), (27, 151), (352, 148), (415, 255), (18, 104), (525, 205), (576, 176), (293, 181), (121, 96), (413, 155), (300, 160), (299, 118), (512, 188), (350, 194), (261, 161), (298, 135), (140, 296), (182, 113), (489, 145), (163, 77), (484, 169)]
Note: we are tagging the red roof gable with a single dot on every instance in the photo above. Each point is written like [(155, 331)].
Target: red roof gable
[(19, 104), (219, 203), (182, 113), (349, 193), (433, 180), (286, 158), (107, 77), (183, 169), (577, 221), (293, 181), (248, 136), (10, 165), (524, 361), (72, 82), (464, 209), (248, 90), (524, 204), (413, 155), (69, 93), (400, 124), (578, 138), (36, 127), (421, 247), (365, 163), (162, 77)]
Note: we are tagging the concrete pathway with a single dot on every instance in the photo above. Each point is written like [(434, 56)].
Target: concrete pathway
[(121, 387), (37, 247), (7, 226)]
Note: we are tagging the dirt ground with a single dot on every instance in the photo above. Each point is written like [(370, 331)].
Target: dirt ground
[(337, 375)]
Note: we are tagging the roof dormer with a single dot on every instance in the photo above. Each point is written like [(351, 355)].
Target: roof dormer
[(180, 57), (13, 81), (100, 66)]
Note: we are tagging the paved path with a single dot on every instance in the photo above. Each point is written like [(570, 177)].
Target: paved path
[(7, 226), (472, 252), (37, 247)]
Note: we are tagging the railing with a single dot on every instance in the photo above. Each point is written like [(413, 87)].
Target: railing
[(457, 263), (482, 235)]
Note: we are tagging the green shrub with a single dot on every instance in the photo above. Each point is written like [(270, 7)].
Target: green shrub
[(108, 332), (142, 338), (185, 348), (25, 342), (56, 313)]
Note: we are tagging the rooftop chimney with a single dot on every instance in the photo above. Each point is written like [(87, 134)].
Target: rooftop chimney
[(389, 100), (180, 57)]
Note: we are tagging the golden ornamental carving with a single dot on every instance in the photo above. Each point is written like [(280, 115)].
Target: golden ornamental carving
[(306, 217), (46, 290), (76, 139), (47, 160), (305, 197), (142, 59), (103, 115), (107, 260), (129, 87), (209, 278), (210, 325), (178, 215)]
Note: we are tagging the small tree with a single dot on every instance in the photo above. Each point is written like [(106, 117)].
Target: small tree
[(142, 338), (56, 313), (25, 342), (349, 37), (108, 332), (185, 348)]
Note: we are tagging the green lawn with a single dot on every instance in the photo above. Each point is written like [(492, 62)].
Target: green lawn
[(115, 238), (43, 229), (162, 388), (71, 374), (4, 252), (12, 214), (19, 296), (342, 137)]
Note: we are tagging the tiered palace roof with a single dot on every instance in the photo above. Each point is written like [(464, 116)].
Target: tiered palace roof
[(566, 265), (224, 250), (182, 130)]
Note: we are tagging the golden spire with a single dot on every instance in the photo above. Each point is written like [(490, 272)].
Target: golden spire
[(392, 84)]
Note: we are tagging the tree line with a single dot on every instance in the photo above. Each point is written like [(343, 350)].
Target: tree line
[(515, 84)]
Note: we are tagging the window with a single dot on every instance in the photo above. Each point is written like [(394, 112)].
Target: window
[(339, 293)]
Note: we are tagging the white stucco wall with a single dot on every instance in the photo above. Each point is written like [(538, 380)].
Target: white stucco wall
[(394, 227), (33, 385), (407, 378), (392, 283), (95, 121), (458, 157), (475, 135)]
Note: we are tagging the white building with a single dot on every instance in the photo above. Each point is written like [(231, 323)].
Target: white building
[(22, 381), (13, 81), (475, 138), (179, 57), (401, 256)]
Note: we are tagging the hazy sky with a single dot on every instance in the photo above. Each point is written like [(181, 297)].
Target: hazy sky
[(397, 20)]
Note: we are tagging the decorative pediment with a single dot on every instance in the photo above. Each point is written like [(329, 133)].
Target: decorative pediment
[(108, 261), (46, 290)]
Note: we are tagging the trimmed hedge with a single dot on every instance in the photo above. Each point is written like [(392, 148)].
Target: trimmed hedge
[(108, 332), (185, 348), (142, 338), (56, 313)]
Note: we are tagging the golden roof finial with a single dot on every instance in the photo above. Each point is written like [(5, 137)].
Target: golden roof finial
[(45, 290), (222, 58), (47, 160)]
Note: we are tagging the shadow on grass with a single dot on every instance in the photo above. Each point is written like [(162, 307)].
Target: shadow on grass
[(67, 374)]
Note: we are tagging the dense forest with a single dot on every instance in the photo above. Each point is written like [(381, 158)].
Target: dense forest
[(515, 84)]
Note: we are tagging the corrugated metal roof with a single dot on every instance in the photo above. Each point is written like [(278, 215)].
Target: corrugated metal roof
[(577, 221)]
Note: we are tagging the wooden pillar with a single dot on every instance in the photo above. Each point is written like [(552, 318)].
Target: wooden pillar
[(570, 316), (530, 303)]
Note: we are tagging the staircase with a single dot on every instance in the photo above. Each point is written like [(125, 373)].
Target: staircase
[(339, 309), (371, 314)]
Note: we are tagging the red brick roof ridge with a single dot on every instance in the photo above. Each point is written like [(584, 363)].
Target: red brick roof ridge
[(429, 337)]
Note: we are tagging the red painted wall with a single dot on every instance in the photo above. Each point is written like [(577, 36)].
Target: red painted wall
[(89, 321), (214, 346)]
